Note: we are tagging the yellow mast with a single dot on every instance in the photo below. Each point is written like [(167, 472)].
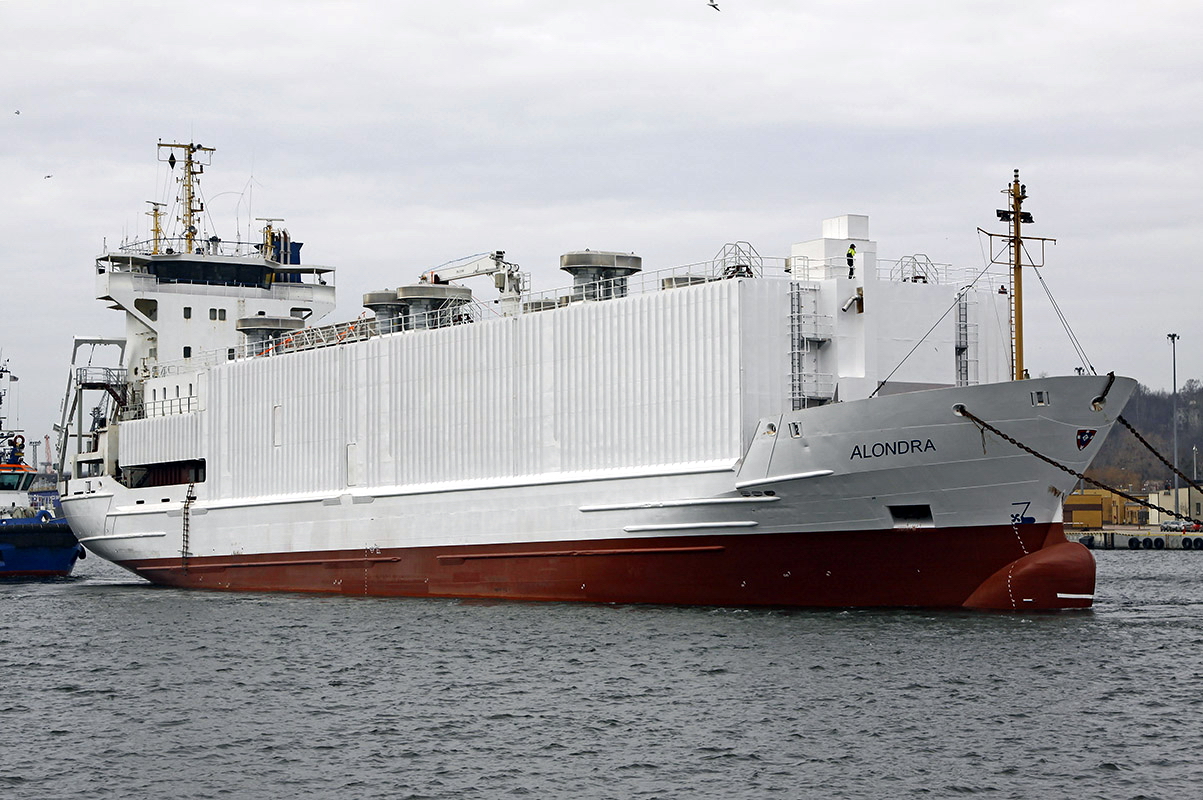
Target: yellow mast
[(190, 205), (156, 226), (1018, 193), (1012, 248), (269, 234)]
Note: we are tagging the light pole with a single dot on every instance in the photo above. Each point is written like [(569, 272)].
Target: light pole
[(1173, 337)]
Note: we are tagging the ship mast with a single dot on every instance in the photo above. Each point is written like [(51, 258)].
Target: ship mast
[(6, 375), (1018, 193), (1012, 254), (156, 226), (190, 204)]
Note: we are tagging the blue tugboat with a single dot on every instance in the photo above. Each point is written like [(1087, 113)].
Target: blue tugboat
[(35, 542)]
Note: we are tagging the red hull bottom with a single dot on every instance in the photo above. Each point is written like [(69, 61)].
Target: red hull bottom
[(1002, 568)]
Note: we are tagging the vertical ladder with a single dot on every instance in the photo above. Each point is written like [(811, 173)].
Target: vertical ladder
[(808, 332), (962, 345), (189, 498), (966, 343)]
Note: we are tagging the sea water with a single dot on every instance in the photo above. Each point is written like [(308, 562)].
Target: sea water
[(112, 688)]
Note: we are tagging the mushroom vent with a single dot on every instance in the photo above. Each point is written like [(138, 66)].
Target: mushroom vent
[(262, 329), (598, 274), (418, 306), (389, 310)]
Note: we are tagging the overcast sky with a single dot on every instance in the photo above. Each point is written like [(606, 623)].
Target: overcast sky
[(394, 136)]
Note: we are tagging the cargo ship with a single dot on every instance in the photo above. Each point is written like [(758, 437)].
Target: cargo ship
[(824, 429)]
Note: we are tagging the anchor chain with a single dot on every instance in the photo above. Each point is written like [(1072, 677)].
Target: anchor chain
[(1160, 457), (981, 423)]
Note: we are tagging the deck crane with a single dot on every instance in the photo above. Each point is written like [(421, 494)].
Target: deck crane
[(506, 277)]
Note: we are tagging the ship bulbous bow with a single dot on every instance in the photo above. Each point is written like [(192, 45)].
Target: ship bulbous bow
[(1060, 575)]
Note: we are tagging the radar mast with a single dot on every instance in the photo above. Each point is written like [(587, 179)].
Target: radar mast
[(190, 204)]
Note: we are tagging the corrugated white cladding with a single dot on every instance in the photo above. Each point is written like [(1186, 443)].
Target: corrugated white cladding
[(673, 377), (158, 440)]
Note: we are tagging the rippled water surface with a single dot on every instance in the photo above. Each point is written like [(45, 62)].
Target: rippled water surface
[(111, 688)]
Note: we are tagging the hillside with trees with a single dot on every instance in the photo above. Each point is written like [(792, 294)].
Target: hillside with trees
[(1123, 462)]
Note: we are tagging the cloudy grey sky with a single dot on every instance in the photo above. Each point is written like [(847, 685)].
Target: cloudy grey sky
[(394, 136)]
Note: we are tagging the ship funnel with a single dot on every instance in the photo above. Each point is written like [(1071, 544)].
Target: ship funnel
[(265, 330), (598, 274)]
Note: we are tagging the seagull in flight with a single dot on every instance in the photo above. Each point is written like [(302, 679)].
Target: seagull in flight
[(713, 4)]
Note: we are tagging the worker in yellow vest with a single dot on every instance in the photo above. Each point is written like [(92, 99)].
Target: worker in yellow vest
[(851, 256)]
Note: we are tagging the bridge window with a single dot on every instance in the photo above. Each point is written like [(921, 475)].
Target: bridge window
[(149, 308), (14, 481)]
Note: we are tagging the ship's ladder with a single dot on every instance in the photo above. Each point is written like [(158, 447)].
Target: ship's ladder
[(809, 331), (189, 499)]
